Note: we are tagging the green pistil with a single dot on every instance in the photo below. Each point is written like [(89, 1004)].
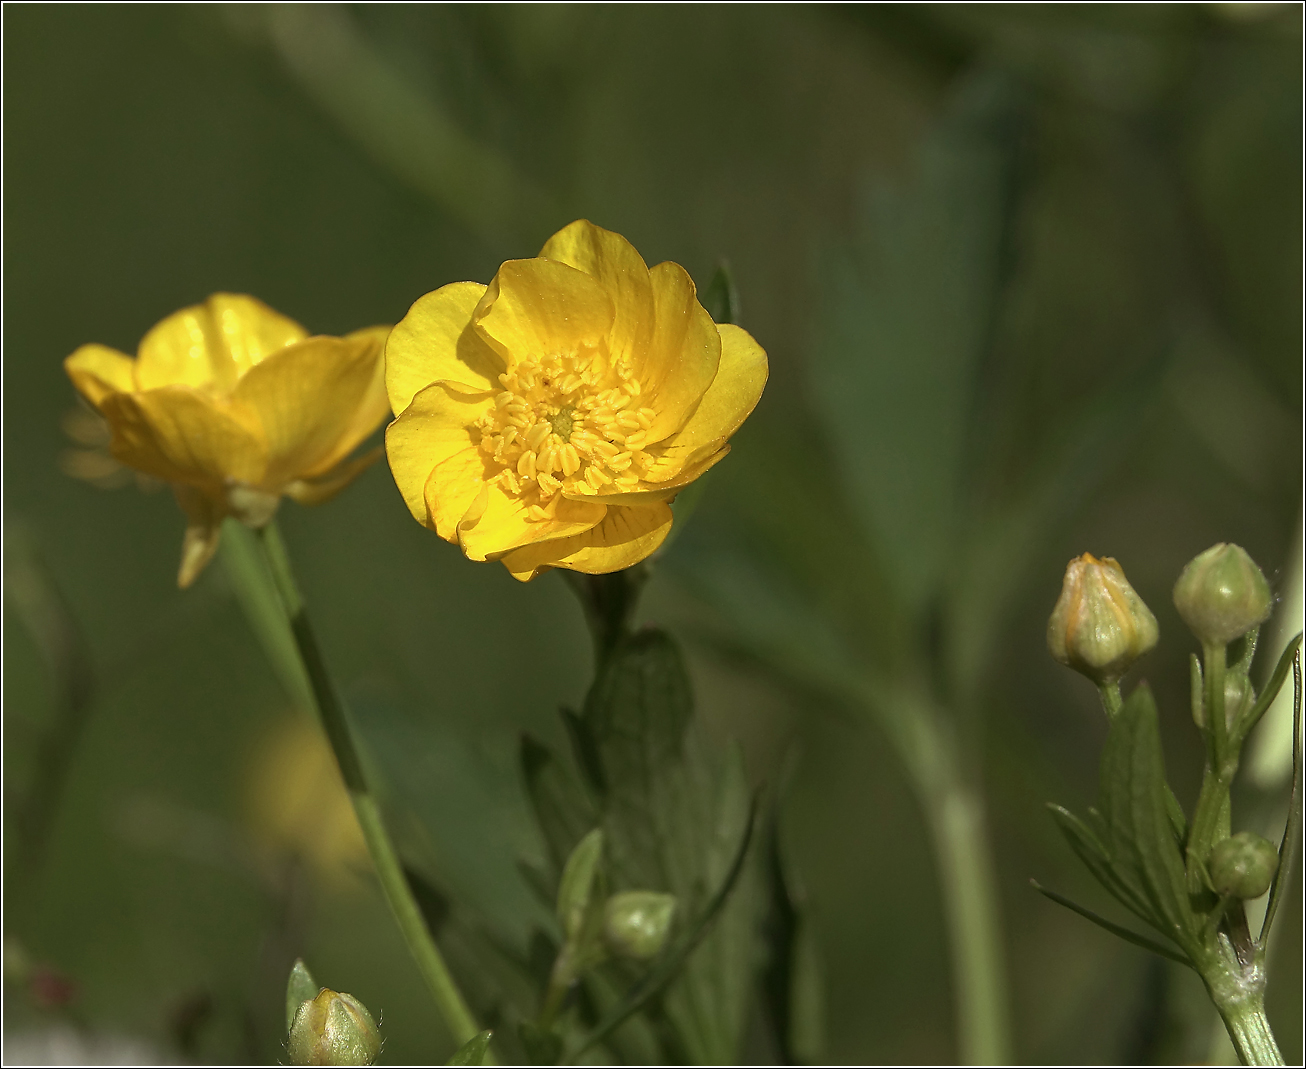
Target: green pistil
[(562, 423)]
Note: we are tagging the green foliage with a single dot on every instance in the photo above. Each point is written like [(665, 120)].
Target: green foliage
[(473, 1052), (673, 818), (1140, 839), (300, 988)]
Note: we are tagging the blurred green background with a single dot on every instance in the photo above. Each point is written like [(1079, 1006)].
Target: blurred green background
[(1029, 280)]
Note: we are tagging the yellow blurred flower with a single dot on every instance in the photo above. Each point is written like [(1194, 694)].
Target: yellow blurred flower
[(298, 803), (548, 419), (234, 405)]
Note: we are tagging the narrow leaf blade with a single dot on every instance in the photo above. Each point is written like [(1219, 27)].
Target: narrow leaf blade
[(1114, 929)]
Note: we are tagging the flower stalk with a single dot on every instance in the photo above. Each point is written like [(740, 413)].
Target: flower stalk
[(331, 712)]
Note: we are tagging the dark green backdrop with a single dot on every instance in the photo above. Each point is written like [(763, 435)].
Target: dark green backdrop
[(339, 163)]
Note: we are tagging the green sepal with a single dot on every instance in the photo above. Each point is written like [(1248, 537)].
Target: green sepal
[(472, 1052), (1141, 839), (720, 297), (300, 988)]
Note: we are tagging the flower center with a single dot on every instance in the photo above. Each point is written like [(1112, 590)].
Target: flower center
[(568, 423), (562, 423)]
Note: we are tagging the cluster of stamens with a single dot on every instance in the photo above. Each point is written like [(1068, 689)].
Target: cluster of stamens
[(569, 422)]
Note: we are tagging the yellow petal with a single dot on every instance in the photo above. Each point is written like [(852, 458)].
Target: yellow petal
[(97, 371), (504, 524), (305, 398), (203, 528), (435, 341), (620, 270), (625, 537), (213, 344), (438, 423), (537, 308), (372, 407), (682, 356), (456, 491), (322, 489), (734, 393), (181, 436)]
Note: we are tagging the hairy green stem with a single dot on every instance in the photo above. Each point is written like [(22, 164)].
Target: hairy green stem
[(331, 712)]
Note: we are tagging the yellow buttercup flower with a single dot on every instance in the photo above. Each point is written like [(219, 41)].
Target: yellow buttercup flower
[(548, 419), (234, 405)]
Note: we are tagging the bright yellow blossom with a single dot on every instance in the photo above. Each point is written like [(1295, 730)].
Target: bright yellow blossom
[(235, 405), (548, 419)]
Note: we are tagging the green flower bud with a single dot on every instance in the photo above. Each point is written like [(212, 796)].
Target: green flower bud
[(333, 1029), (636, 923), (1099, 626), (1221, 594), (1243, 865)]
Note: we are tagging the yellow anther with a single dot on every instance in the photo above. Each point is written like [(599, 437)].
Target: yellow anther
[(634, 441), (547, 483), (570, 460), (537, 434), (526, 465)]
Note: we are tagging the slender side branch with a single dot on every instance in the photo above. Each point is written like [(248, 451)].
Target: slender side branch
[(398, 894)]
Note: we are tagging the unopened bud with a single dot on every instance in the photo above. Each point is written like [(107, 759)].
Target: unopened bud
[(1099, 625), (333, 1029), (1243, 865), (636, 923), (1221, 594)]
